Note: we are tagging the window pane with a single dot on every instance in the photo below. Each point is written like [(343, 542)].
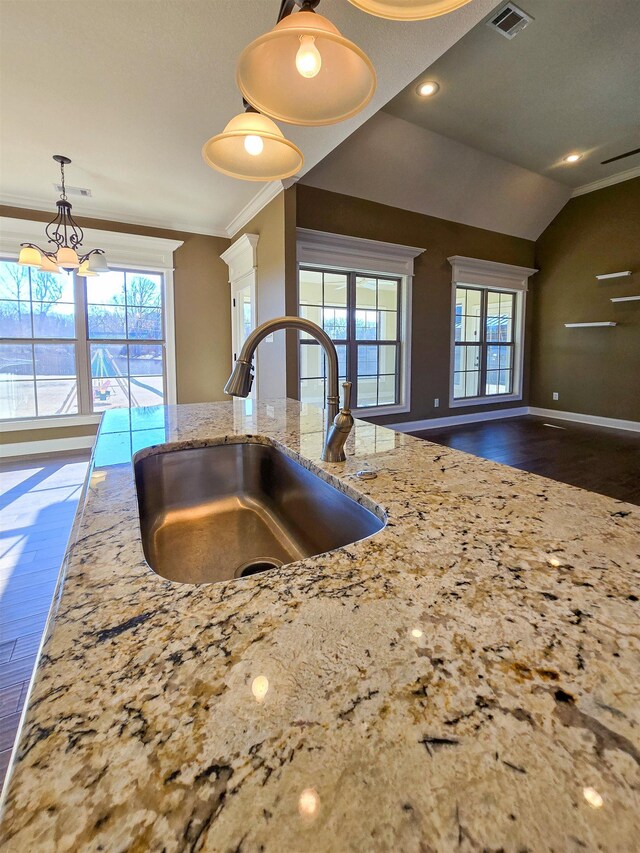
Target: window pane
[(342, 361), (17, 399), (144, 289), (388, 294), (146, 390), (499, 316), (106, 289), (367, 391), (310, 313), (472, 384), (14, 281), (15, 319), (54, 361), (312, 391), (335, 323), (311, 361), (387, 359), (470, 329), (146, 359), (106, 322), (366, 327), (310, 287), (388, 325), (110, 393), (470, 358), (458, 385), (16, 362), (365, 292), (108, 360), (386, 390), (54, 320), (367, 361), (492, 382), (335, 289), (473, 302), (506, 381), (57, 397), (144, 323), (51, 287)]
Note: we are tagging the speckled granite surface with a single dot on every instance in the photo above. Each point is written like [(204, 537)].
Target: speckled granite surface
[(467, 679)]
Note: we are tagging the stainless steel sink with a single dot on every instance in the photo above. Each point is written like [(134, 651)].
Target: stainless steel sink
[(228, 511)]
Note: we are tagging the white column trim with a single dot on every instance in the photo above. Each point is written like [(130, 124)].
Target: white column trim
[(322, 248)]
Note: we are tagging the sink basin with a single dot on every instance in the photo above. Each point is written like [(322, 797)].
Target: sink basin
[(231, 510)]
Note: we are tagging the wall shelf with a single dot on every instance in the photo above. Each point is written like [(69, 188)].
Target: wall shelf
[(625, 298), (614, 275), (584, 325)]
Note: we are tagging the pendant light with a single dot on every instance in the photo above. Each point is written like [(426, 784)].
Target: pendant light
[(253, 148), (408, 10), (304, 71)]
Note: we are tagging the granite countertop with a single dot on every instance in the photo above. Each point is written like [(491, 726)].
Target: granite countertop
[(467, 679)]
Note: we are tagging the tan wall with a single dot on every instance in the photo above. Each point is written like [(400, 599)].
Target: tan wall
[(202, 312), (269, 224), (431, 309), (595, 371)]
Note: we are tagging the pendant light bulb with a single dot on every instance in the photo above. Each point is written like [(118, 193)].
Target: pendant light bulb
[(253, 145), (308, 59)]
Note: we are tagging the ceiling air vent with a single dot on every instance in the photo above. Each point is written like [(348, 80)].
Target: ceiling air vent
[(509, 21), (83, 192)]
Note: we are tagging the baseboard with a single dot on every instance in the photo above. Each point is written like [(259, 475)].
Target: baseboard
[(594, 420), (454, 420), (53, 445)]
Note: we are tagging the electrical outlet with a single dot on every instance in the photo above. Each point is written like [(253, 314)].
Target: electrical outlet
[(436, 402), (556, 396)]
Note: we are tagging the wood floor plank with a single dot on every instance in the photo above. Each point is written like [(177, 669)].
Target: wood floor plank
[(8, 729), (10, 698)]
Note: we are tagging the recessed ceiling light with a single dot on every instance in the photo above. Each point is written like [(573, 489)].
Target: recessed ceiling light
[(427, 89), (572, 158)]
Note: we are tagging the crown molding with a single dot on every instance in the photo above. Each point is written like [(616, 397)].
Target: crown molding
[(488, 273), (241, 256), (339, 250), (261, 199), (26, 203), (607, 182)]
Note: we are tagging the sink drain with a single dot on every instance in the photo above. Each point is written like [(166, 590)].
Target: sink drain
[(254, 567)]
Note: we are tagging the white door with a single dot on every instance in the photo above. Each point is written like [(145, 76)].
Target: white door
[(243, 318)]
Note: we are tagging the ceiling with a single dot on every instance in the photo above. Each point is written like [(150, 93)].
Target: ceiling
[(568, 82), (130, 90)]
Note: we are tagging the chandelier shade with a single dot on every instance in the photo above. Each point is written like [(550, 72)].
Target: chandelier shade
[(49, 265), (304, 71), (30, 256), (408, 10), (253, 148)]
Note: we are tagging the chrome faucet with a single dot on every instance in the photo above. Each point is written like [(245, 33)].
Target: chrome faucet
[(339, 424)]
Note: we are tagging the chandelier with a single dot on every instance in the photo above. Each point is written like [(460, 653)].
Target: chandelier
[(65, 236)]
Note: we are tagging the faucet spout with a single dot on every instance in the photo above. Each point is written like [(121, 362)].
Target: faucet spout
[(240, 382)]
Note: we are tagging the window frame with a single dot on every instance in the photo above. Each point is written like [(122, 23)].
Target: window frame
[(343, 254), (130, 252), (487, 276), (352, 343)]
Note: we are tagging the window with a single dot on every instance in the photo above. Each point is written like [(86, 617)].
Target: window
[(77, 346), (361, 313), (484, 343), (487, 339)]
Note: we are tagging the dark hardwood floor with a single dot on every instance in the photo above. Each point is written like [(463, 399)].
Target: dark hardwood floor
[(594, 458), (38, 500)]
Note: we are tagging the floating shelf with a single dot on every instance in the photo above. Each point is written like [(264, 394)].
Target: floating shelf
[(614, 275), (624, 298), (584, 325)]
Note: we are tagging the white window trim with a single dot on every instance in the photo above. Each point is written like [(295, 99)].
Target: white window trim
[(242, 260), (131, 251), (490, 275), (324, 250)]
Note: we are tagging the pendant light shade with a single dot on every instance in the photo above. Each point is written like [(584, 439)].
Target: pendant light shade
[(408, 10), (30, 257), (47, 265), (84, 271), (304, 71), (67, 258), (253, 147), (97, 263)]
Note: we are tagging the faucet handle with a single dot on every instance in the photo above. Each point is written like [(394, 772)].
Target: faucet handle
[(346, 396)]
